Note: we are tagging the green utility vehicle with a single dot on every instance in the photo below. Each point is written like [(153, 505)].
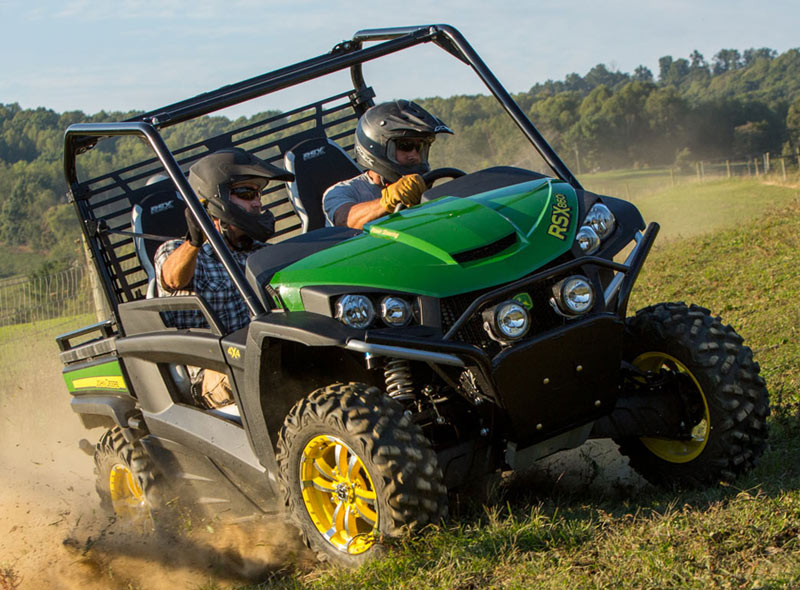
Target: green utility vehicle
[(477, 332)]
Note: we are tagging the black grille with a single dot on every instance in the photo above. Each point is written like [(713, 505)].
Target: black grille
[(486, 251), (543, 316)]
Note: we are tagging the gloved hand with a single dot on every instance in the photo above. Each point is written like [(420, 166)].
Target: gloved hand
[(407, 191), (195, 235)]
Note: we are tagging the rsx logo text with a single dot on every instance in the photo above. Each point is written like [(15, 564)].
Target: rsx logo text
[(559, 218)]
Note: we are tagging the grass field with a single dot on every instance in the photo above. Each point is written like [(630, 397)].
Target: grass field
[(731, 246)]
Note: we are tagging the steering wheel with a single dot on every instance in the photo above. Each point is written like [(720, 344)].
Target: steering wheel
[(432, 176)]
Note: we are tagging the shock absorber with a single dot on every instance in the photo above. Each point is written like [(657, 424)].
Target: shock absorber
[(399, 384)]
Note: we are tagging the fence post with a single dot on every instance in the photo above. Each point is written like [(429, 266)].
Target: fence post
[(783, 168), (697, 168), (728, 167), (755, 163), (672, 176), (766, 163), (101, 308)]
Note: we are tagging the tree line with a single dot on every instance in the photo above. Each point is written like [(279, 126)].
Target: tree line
[(738, 104)]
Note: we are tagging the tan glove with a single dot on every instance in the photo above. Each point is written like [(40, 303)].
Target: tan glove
[(407, 191)]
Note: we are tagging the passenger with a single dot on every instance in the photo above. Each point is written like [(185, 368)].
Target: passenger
[(229, 182), (392, 142)]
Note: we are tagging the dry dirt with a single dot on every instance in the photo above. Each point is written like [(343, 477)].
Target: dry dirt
[(54, 535)]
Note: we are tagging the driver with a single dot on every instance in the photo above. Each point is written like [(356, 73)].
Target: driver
[(392, 142)]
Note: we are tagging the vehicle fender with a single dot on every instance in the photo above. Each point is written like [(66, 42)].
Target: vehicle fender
[(288, 356), (104, 410)]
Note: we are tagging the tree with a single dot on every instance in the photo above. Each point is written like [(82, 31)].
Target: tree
[(793, 122), (751, 55), (676, 73), (750, 139), (642, 74), (726, 60)]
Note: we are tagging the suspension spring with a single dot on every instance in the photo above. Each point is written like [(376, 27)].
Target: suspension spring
[(399, 384)]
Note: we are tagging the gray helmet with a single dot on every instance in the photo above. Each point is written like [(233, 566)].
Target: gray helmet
[(383, 125), (211, 178)]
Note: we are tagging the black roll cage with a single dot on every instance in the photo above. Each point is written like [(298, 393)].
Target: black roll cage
[(347, 54)]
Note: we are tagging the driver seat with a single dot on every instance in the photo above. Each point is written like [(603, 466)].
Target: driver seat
[(317, 164)]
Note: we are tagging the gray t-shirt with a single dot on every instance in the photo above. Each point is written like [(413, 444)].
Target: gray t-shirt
[(340, 198)]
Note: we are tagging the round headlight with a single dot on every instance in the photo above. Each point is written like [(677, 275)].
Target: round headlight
[(355, 311), (577, 295), (601, 220), (395, 312), (587, 239), (511, 319)]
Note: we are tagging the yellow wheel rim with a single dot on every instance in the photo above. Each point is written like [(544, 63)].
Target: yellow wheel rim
[(127, 496), (676, 451), (338, 494)]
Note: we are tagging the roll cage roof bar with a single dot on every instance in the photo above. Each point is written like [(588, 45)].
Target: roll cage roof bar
[(347, 54)]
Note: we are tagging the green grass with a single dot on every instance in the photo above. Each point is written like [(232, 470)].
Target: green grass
[(631, 184), (690, 207), (747, 536)]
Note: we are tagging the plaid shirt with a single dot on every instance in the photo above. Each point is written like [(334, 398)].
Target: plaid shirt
[(212, 283)]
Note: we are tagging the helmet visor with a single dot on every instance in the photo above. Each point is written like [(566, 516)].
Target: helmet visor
[(421, 145)]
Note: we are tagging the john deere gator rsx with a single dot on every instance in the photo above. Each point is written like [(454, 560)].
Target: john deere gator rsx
[(478, 331)]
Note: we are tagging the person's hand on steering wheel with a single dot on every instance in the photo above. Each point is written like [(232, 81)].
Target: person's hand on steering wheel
[(406, 191)]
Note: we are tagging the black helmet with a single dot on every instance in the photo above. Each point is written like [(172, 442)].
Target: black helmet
[(211, 178), (382, 125)]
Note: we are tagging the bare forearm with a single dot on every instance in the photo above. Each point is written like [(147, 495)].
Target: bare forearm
[(178, 269), (364, 213)]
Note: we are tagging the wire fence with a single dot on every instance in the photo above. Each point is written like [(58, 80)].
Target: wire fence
[(31, 306), (777, 166)]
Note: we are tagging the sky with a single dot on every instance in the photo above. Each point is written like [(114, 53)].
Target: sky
[(120, 55)]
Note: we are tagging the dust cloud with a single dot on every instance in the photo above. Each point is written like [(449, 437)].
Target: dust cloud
[(53, 533)]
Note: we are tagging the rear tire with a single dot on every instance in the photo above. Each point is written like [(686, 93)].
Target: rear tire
[(126, 482), (355, 468), (731, 433)]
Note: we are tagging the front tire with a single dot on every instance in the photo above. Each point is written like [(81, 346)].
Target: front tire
[(730, 432), (353, 468)]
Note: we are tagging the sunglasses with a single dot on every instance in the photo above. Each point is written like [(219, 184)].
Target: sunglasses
[(246, 193), (410, 145)]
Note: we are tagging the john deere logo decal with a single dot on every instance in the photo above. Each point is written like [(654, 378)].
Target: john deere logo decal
[(559, 218)]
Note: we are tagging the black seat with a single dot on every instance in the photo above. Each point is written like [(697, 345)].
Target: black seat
[(317, 164), (159, 214)]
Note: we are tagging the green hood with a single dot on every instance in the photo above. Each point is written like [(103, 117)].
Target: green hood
[(448, 246)]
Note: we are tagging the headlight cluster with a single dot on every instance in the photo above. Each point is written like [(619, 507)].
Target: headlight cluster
[(597, 226), (358, 311)]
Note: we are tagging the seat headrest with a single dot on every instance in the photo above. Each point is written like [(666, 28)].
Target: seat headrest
[(317, 163)]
